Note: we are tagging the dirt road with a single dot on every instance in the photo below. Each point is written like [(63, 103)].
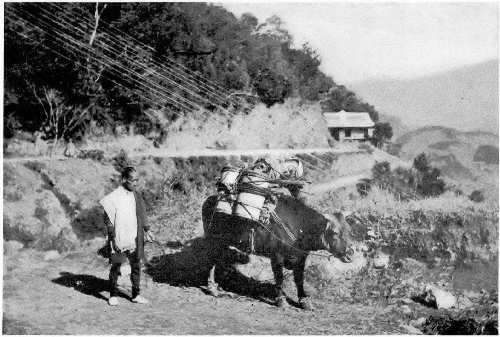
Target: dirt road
[(68, 296), (200, 153), (315, 188), (335, 184)]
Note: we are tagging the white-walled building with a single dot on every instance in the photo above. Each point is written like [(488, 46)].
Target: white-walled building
[(349, 125)]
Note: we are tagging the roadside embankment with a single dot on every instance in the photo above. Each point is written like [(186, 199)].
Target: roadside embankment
[(47, 199)]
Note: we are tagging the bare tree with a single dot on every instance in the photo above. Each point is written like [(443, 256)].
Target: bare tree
[(60, 119), (97, 17), (93, 35)]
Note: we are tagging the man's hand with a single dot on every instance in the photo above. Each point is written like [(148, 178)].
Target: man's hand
[(114, 247), (149, 236)]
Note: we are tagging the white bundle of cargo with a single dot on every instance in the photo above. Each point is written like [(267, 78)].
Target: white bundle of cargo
[(291, 168), (244, 192), (227, 189), (252, 193)]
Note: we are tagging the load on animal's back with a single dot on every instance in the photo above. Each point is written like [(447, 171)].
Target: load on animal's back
[(257, 211), (251, 192)]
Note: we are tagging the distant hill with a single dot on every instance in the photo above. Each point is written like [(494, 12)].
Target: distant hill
[(468, 159), (465, 98), (398, 127)]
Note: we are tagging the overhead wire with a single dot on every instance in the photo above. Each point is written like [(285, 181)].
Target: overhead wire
[(126, 72), (119, 42), (210, 86), (83, 66), (86, 46), (78, 52)]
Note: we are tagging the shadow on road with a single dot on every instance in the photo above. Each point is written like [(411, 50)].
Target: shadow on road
[(191, 267), (86, 284)]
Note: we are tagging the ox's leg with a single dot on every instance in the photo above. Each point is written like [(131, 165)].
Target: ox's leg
[(298, 276), (213, 258), (211, 284), (277, 266)]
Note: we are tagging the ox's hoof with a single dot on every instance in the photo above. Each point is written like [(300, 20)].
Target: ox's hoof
[(281, 302), (306, 304)]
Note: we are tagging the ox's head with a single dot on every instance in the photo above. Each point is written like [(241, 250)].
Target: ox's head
[(336, 237)]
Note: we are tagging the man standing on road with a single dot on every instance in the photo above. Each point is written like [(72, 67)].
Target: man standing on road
[(125, 220)]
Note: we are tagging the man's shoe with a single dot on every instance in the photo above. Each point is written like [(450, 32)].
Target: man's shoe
[(113, 301), (139, 299)]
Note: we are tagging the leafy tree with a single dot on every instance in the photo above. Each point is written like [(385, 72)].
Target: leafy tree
[(420, 181), (421, 163), (340, 98), (272, 87), (382, 133), (249, 20), (364, 187), (487, 154), (430, 182), (403, 183), (234, 54), (310, 82)]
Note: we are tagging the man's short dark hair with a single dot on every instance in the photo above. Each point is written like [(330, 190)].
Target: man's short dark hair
[(127, 172)]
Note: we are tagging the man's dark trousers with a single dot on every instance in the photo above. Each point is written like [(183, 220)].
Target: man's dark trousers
[(135, 274)]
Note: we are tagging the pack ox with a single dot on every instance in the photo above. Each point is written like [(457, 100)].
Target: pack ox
[(287, 240)]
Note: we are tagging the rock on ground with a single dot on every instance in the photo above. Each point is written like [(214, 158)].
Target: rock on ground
[(419, 322), (32, 213), (381, 261), (327, 269), (464, 302), (411, 330), (319, 269), (258, 268), (11, 247), (441, 298), (51, 255)]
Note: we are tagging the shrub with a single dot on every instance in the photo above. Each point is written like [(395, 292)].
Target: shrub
[(487, 154), (429, 180), (381, 173), (364, 187), (381, 134), (97, 155), (421, 163), (477, 196), (421, 181), (121, 160), (431, 184)]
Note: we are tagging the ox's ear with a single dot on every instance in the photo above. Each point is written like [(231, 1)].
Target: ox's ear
[(328, 217), (330, 222)]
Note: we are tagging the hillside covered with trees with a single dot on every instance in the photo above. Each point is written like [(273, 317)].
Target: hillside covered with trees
[(72, 65)]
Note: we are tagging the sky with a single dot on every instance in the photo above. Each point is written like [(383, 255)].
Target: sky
[(365, 41)]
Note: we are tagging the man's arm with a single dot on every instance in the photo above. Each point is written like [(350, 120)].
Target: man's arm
[(110, 229), (141, 209)]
